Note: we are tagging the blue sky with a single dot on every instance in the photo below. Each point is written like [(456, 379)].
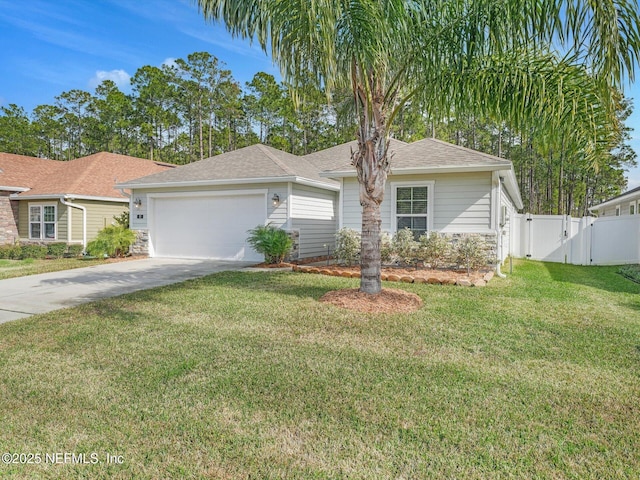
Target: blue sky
[(52, 46)]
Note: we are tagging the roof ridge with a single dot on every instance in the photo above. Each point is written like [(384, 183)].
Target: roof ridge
[(266, 150)]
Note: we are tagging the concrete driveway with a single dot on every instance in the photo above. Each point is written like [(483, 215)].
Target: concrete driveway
[(24, 296)]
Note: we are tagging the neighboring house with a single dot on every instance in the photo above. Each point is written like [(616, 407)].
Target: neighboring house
[(55, 201), (625, 204), (203, 210)]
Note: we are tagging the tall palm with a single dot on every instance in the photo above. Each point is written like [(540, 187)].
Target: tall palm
[(494, 57)]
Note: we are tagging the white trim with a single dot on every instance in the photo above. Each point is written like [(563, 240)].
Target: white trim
[(42, 222), (618, 211), (635, 208), (289, 222), (623, 197), (69, 196), (341, 205), (421, 170), (231, 181), (211, 193), (430, 184), (84, 220), (7, 188)]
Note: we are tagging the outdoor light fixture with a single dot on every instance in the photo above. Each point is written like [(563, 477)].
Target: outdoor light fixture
[(275, 199), (137, 202)]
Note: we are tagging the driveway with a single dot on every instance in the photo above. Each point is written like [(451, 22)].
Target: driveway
[(25, 296)]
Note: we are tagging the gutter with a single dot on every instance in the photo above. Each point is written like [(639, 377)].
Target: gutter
[(84, 220)]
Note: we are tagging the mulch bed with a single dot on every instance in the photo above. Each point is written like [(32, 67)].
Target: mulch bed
[(407, 275), (389, 300)]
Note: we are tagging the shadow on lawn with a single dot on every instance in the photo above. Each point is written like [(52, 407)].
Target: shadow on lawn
[(603, 278)]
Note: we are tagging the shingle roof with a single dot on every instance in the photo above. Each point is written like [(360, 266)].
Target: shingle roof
[(94, 176), (20, 172), (623, 196), (248, 163), (431, 153), (340, 155)]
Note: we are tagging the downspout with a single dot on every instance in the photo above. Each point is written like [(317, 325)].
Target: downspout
[(84, 221), (498, 227)]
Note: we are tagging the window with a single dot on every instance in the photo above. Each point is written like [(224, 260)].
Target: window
[(42, 222), (632, 208), (412, 208), (617, 210)]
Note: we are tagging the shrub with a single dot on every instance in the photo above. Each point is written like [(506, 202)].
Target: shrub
[(11, 251), (56, 250), (386, 248), (471, 252), (74, 250), (37, 252), (112, 241), (404, 246), (347, 246), (273, 242), (435, 249), (122, 219)]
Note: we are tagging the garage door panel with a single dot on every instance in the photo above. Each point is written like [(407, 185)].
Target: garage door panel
[(206, 226)]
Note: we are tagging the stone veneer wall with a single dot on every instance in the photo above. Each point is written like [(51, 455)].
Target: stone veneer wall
[(141, 245), (8, 219)]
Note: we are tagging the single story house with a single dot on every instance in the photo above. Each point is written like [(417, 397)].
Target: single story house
[(625, 204), (204, 210), (54, 201)]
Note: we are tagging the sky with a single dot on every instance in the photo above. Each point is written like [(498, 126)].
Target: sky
[(48, 47)]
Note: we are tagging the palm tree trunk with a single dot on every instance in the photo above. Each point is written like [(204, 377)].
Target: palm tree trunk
[(370, 261)]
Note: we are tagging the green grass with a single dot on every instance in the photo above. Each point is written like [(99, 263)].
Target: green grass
[(247, 375), (29, 266)]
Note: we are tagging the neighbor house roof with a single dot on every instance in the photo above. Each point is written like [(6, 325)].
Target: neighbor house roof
[(256, 163), (628, 195), (19, 172), (93, 176)]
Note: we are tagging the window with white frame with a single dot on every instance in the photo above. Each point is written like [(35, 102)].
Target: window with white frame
[(42, 222), (617, 210), (632, 208), (412, 208)]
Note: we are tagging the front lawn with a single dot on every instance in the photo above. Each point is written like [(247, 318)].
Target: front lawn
[(29, 266), (247, 375)]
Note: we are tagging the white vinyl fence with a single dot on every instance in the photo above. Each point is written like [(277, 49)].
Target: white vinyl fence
[(580, 241)]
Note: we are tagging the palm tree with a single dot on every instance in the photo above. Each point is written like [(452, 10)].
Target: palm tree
[(493, 57)]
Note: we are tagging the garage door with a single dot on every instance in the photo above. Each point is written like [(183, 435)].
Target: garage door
[(206, 226)]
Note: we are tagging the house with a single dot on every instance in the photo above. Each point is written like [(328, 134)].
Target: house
[(204, 210), (625, 204), (54, 201)]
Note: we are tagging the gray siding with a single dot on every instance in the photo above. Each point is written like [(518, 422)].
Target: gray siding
[(461, 202), (313, 214)]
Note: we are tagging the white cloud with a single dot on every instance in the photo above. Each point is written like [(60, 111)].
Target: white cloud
[(170, 62), (119, 77)]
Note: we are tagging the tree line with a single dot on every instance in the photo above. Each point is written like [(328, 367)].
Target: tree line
[(193, 109)]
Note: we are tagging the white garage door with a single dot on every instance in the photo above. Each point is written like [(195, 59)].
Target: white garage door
[(212, 226)]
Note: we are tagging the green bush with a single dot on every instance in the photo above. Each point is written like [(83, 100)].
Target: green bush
[(386, 248), (435, 249), (37, 252), (122, 219), (56, 250), (112, 241), (11, 251), (471, 252), (347, 246), (404, 246), (74, 251), (273, 242)]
